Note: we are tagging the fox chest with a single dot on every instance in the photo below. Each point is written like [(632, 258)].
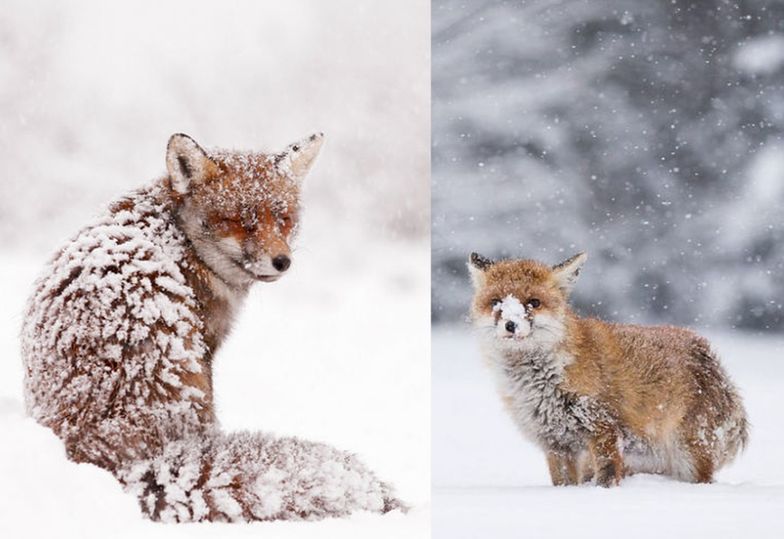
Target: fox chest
[(532, 389)]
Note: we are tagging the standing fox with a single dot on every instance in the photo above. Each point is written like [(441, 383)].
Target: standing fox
[(603, 400), (121, 333)]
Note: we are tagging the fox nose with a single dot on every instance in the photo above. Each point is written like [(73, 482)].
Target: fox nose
[(510, 326), (281, 263)]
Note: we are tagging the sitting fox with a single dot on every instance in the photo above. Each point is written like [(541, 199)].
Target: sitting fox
[(602, 400), (121, 333)]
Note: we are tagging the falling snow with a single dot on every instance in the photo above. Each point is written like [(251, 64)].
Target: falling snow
[(645, 133)]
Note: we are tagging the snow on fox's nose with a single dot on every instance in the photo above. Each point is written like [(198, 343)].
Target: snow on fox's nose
[(513, 320)]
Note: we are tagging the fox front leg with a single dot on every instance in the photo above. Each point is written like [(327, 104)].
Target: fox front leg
[(563, 468), (584, 467), (607, 459)]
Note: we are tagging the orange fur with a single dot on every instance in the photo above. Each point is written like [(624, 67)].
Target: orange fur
[(658, 394)]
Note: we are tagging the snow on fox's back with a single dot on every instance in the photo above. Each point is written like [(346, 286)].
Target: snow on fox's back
[(122, 330)]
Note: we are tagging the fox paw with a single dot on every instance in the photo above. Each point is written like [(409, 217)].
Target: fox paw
[(608, 476)]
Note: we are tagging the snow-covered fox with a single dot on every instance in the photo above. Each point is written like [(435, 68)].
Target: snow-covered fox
[(121, 333), (603, 400)]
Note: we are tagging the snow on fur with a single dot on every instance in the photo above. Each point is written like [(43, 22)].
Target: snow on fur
[(250, 476), (112, 335), (118, 344)]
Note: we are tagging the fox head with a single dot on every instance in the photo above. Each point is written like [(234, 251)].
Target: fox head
[(240, 210), (522, 303)]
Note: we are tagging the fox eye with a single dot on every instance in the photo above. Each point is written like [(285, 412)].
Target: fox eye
[(535, 303)]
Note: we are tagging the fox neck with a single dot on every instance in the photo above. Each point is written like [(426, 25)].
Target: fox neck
[(219, 297), (531, 381), (220, 301)]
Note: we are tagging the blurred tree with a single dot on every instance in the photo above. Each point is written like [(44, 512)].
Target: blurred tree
[(645, 132)]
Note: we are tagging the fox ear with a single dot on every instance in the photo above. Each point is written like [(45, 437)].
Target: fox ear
[(298, 157), (567, 271), (186, 162), (477, 264)]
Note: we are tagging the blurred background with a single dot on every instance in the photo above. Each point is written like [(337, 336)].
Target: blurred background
[(90, 92), (647, 133)]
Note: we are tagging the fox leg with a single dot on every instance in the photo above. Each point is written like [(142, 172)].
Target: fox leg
[(244, 476), (563, 468), (584, 467), (607, 459)]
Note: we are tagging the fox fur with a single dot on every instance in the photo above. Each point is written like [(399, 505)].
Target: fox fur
[(122, 330), (602, 400)]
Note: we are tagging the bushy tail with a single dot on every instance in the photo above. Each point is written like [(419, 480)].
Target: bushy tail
[(736, 435), (726, 427), (249, 476)]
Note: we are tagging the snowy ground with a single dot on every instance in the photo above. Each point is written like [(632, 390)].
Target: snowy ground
[(317, 355), (489, 482)]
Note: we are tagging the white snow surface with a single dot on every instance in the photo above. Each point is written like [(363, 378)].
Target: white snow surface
[(488, 481), (307, 357)]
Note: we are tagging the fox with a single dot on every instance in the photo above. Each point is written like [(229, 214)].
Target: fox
[(602, 400), (120, 336)]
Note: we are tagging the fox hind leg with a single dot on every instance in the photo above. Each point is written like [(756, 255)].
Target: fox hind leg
[(702, 465)]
